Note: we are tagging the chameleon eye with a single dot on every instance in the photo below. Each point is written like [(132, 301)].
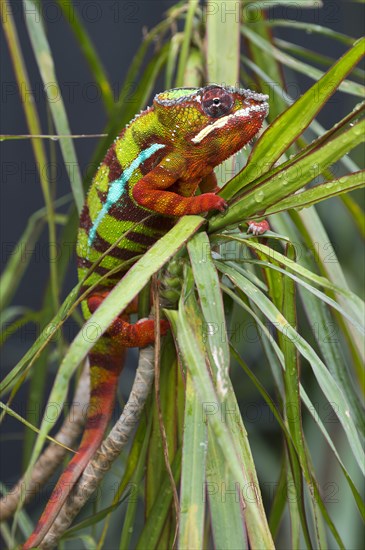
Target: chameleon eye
[(216, 102)]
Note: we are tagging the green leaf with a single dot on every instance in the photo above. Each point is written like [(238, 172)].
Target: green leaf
[(279, 94), (168, 385), (309, 233), (34, 126), (301, 170), (184, 53), (225, 501), (313, 56), (266, 62), (291, 124), (354, 309), (29, 425), (192, 501), (328, 385), (293, 413), (174, 49), (44, 59), (277, 356), (152, 529), (311, 28), (93, 520), (230, 436), (133, 97), (290, 3), (18, 261), (223, 42), (211, 302), (193, 355), (46, 335), (347, 86), (91, 55), (320, 192), (138, 474)]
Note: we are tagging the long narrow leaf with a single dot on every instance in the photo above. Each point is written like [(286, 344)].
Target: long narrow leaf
[(151, 532), (328, 385), (223, 42), (225, 504), (45, 63), (292, 407), (294, 121), (184, 54), (192, 499), (312, 28), (355, 313), (320, 192), (194, 358), (207, 282), (89, 51), (347, 86), (305, 398), (34, 126), (290, 179)]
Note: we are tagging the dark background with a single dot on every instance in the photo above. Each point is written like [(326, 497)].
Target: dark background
[(115, 28)]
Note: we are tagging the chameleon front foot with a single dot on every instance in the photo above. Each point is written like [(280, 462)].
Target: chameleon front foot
[(218, 203), (207, 202)]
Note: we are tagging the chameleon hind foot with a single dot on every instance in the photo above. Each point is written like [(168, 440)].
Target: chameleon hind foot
[(125, 334), (139, 335)]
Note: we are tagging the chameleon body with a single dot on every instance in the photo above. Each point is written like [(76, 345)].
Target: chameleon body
[(153, 167)]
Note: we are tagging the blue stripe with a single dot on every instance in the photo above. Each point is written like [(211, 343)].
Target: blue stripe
[(118, 186)]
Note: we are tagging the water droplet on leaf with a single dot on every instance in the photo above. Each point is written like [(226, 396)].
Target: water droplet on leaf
[(259, 196)]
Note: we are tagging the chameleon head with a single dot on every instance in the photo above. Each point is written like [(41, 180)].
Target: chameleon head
[(218, 120)]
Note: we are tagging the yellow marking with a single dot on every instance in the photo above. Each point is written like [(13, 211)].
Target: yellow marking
[(94, 203), (101, 178), (111, 229), (126, 150)]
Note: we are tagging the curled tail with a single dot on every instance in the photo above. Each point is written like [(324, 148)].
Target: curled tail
[(104, 373)]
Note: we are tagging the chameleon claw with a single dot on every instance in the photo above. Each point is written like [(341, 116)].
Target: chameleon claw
[(258, 228), (221, 205)]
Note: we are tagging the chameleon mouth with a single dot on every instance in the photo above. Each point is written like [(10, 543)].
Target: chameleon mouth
[(260, 108)]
